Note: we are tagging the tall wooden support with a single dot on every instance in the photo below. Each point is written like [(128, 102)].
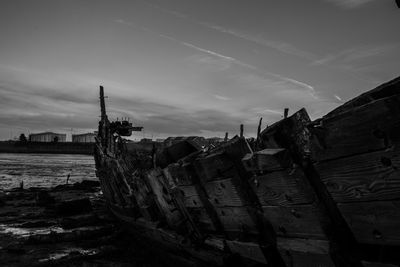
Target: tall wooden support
[(355, 153), (104, 131), (258, 132), (286, 113), (292, 133), (102, 104)]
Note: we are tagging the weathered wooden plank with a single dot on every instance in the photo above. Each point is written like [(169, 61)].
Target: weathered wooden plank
[(202, 219), (223, 193), (179, 174), (267, 160), (298, 252), (370, 127), (384, 90), (194, 194), (236, 219), (192, 230), (293, 134), (285, 188), (303, 259), (174, 152), (365, 177), (248, 250), (378, 264), (237, 148), (163, 198), (295, 221), (215, 242), (290, 133), (314, 246), (214, 166), (190, 196), (375, 222)]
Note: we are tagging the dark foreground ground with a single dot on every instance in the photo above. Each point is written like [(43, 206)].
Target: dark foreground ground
[(67, 225)]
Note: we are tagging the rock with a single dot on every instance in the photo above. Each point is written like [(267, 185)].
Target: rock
[(74, 206), (43, 198), (37, 224), (87, 185), (2, 199), (15, 248), (63, 187), (79, 221)]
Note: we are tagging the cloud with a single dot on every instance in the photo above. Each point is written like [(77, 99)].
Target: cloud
[(224, 57), (220, 97), (338, 98), (367, 51), (359, 60), (210, 62), (30, 106), (349, 4), (177, 40), (258, 39)]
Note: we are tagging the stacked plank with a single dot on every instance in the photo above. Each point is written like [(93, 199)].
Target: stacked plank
[(357, 155), (214, 196), (287, 198), (322, 193)]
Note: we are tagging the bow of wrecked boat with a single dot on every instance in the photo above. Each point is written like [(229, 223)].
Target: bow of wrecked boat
[(304, 193)]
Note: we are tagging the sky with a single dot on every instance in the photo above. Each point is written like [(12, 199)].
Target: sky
[(188, 67)]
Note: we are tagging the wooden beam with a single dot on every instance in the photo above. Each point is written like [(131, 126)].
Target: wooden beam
[(366, 177), (366, 128), (375, 222), (282, 188), (267, 160)]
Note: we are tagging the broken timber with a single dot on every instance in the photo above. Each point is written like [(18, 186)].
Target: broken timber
[(305, 193)]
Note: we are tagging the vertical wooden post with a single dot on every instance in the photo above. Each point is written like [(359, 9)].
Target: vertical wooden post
[(258, 131), (286, 112), (241, 130), (226, 137), (102, 104)]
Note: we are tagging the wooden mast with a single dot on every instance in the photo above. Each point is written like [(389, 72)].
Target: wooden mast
[(102, 104)]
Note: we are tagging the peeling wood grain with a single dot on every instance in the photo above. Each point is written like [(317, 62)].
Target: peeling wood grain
[(314, 246), (299, 252), (284, 188), (365, 177), (248, 250), (236, 219), (180, 174), (295, 221), (202, 219), (267, 160), (375, 222), (378, 264), (223, 193), (366, 128), (191, 197), (214, 166)]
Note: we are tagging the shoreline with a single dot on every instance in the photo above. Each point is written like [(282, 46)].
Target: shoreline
[(68, 225), (46, 148)]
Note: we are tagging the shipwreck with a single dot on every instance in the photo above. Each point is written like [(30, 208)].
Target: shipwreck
[(303, 193)]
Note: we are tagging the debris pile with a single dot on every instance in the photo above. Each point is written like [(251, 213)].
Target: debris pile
[(68, 225)]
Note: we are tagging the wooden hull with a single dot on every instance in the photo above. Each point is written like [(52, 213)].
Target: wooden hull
[(307, 193)]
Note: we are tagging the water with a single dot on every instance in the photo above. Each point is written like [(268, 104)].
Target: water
[(44, 170)]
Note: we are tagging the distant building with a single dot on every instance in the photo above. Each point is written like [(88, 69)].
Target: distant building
[(84, 138), (214, 140), (146, 140), (47, 137)]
